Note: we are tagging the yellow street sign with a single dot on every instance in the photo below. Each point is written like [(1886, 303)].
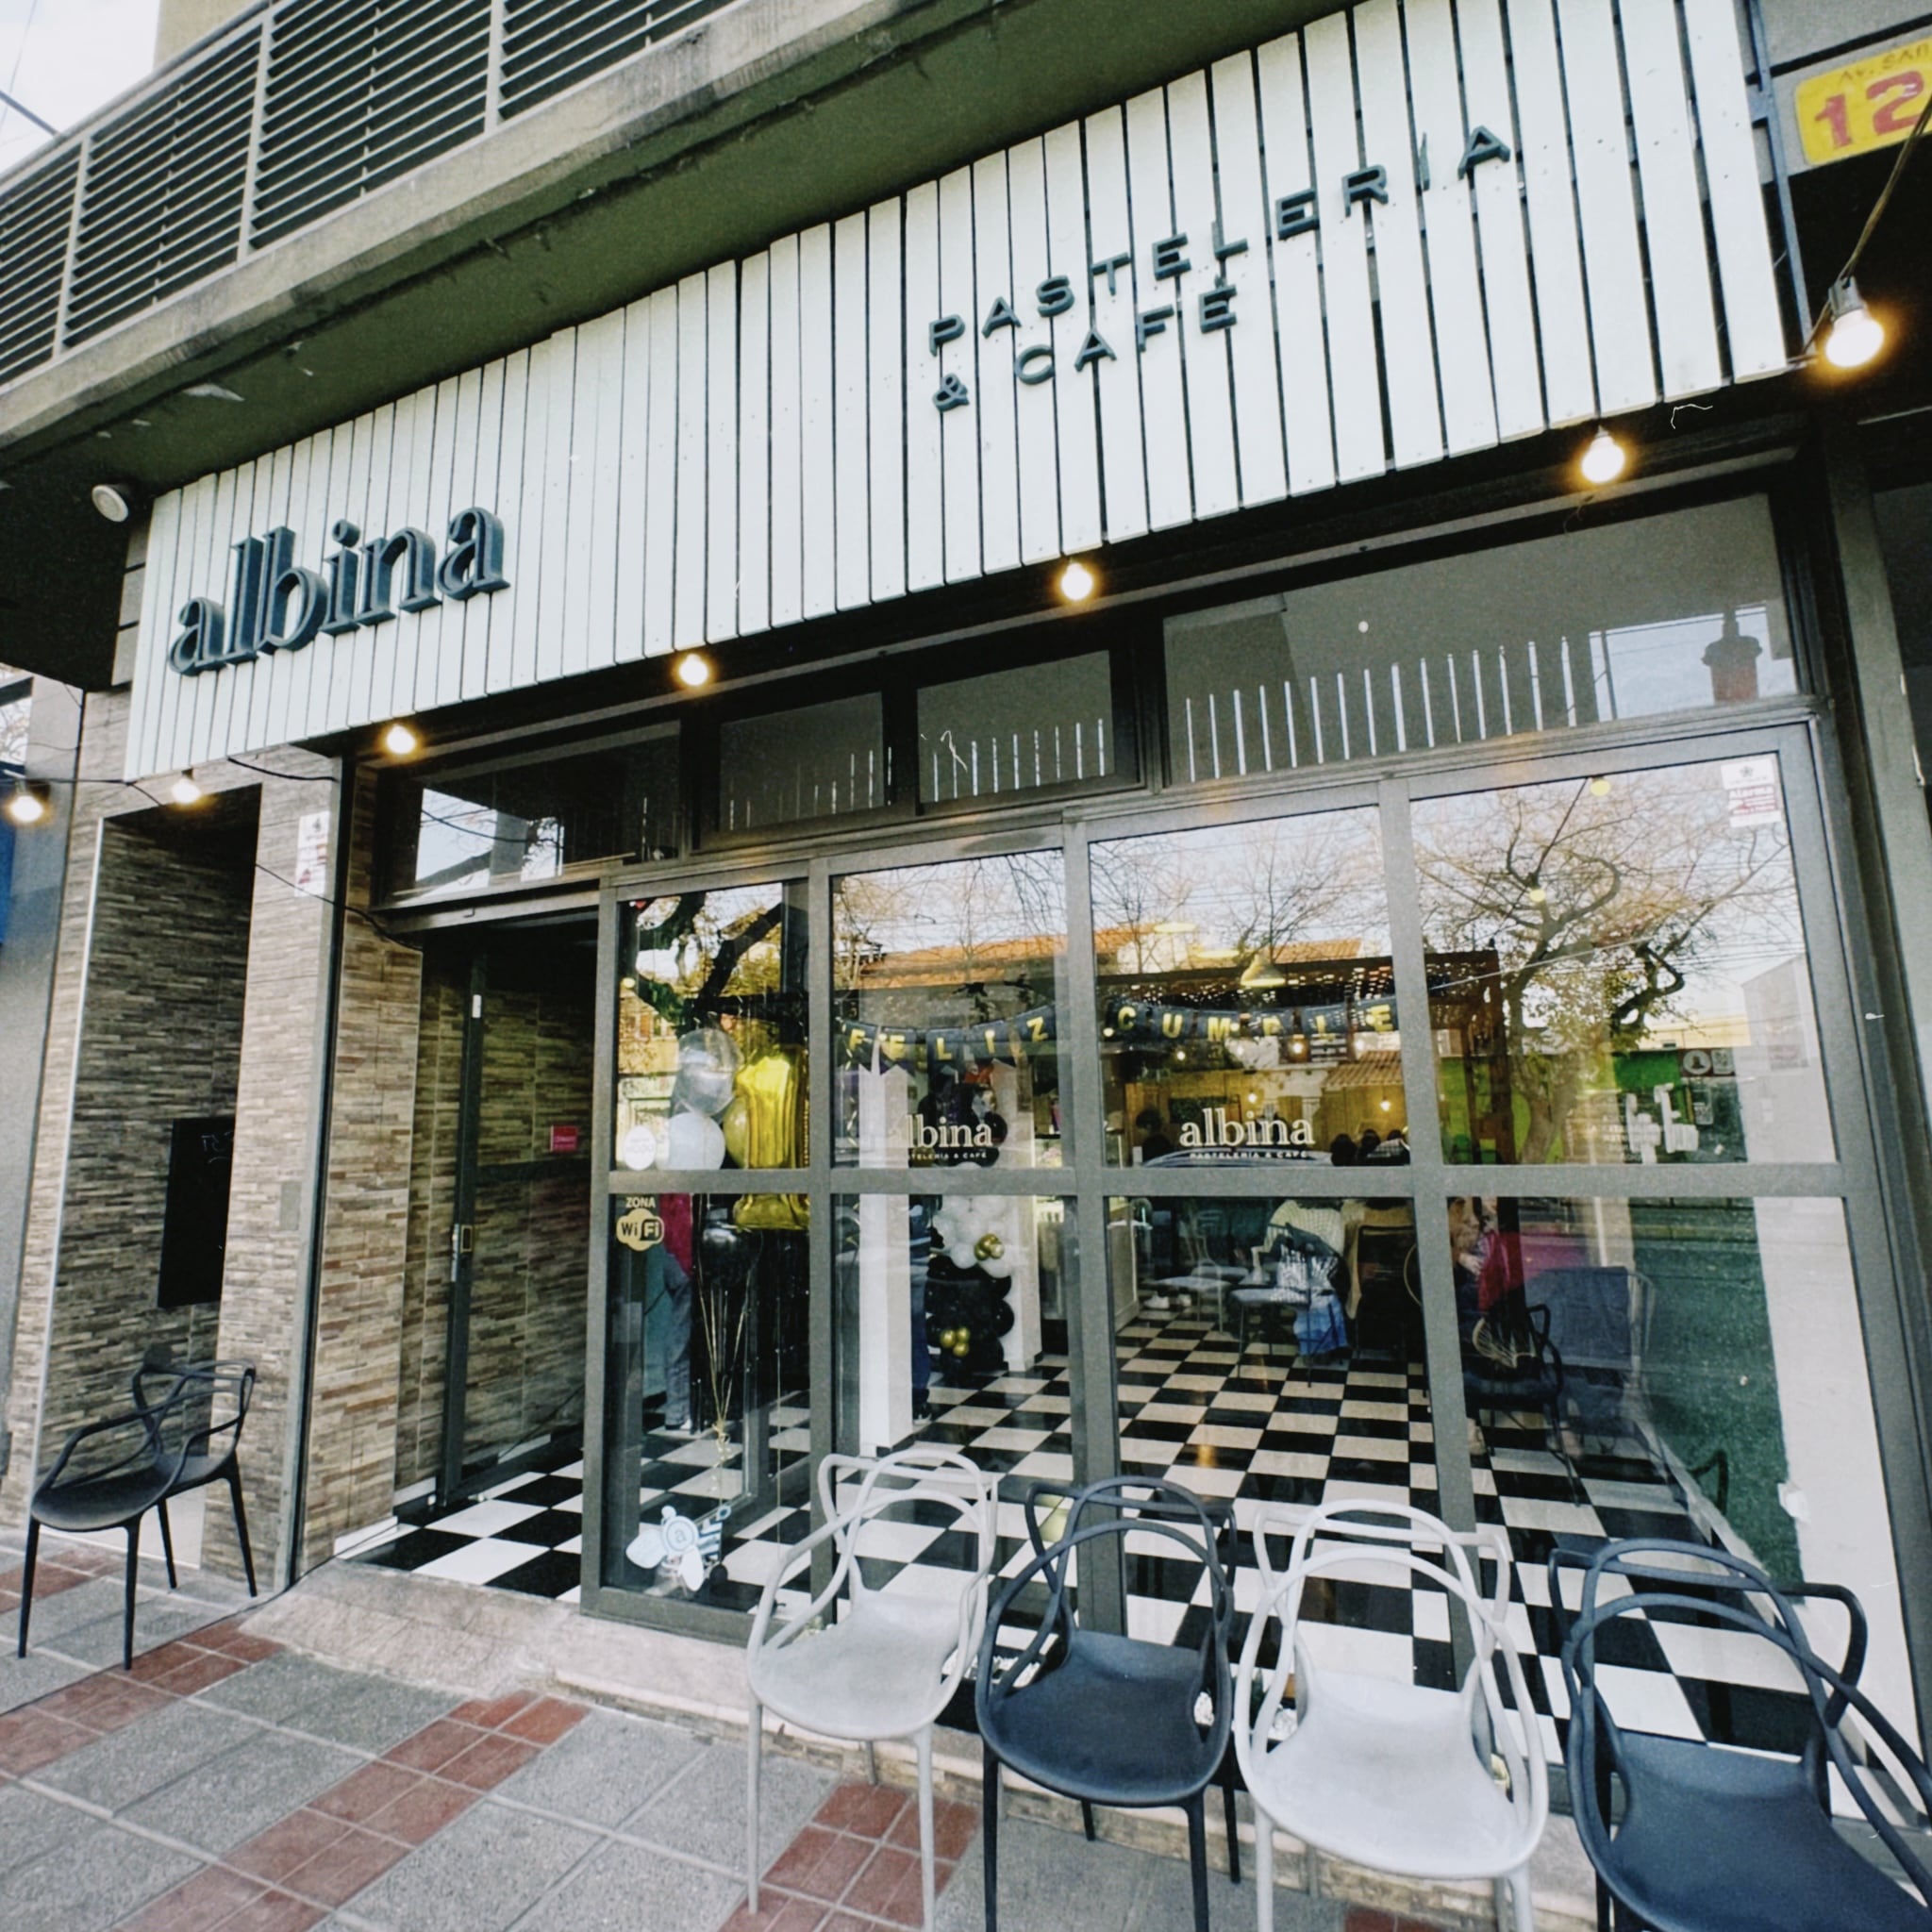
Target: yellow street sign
[(1869, 104)]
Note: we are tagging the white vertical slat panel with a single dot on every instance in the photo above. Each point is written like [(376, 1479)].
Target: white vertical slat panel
[(660, 491), (479, 613), (754, 444), (1754, 328), (720, 388), (1251, 341), (1301, 345), (788, 422), (592, 466), (554, 457), (819, 480), (513, 491), (1163, 392), (1401, 288), (1204, 353), (423, 637), (526, 580), (212, 574), (1544, 149), (851, 508), (993, 406), (959, 428), (1077, 432), (1353, 382), (192, 579), (213, 687), (419, 493), (1496, 189), (1110, 232), (359, 659), (1612, 260), (886, 323), (157, 631), (290, 671), (688, 600), (444, 621), (328, 474), (925, 529), (250, 722), (228, 728), (1455, 287), (1033, 403), (593, 641), (1680, 288)]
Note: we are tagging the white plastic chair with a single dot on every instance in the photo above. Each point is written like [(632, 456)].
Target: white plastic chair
[(1391, 1776), (889, 1664)]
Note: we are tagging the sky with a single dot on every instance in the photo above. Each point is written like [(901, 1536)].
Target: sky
[(63, 58)]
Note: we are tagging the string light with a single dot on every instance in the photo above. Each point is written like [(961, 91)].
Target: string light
[(1604, 461), (400, 739), (1855, 335), (1077, 582), (694, 669), (25, 805), (184, 791)]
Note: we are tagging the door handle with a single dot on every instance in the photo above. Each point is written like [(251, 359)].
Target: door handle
[(462, 1240)]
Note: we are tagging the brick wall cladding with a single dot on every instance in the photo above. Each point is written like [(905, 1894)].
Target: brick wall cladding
[(160, 1039), (274, 1090), (353, 1414)]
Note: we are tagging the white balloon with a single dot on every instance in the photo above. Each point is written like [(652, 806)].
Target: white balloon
[(639, 1147), (998, 1266), (693, 1140), (946, 1225)]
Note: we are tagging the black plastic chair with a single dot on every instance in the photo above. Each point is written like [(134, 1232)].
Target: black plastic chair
[(111, 1494), (1105, 1719), (1712, 1840), (211, 1445)]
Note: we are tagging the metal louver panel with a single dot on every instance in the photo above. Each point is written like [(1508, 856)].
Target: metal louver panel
[(162, 204), (34, 221), (362, 90), (549, 46)]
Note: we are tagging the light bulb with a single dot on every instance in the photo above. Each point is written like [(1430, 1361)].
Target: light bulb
[(1601, 787), (399, 741), (1604, 461), (1076, 582), (184, 791), (694, 669), (1855, 335), (26, 808)]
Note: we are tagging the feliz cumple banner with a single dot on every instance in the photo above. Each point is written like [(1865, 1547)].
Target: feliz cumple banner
[(1322, 1032)]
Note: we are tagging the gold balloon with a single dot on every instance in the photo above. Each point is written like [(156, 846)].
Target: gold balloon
[(988, 1247), (736, 1122)]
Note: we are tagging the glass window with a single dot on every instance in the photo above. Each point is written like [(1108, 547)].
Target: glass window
[(1270, 1351), (1690, 1369), (710, 1035), (1667, 613), (816, 762), (461, 831), (954, 1306), (1012, 731), (1617, 970), (946, 991), (707, 1459), (1247, 1003)]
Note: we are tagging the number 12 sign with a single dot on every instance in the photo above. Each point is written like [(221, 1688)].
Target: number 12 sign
[(1873, 104)]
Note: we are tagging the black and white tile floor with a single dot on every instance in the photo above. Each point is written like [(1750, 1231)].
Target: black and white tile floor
[(1259, 1428)]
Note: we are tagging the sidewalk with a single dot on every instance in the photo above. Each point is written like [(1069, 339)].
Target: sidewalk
[(235, 1784)]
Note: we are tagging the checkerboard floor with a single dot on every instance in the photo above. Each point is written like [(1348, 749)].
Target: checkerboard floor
[(1256, 1427)]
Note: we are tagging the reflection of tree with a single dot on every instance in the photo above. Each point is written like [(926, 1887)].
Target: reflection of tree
[(1608, 913)]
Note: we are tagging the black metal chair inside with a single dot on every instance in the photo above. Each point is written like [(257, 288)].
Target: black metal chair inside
[(1105, 1719), (1719, 1839), (111, 1485), (218, 1394)]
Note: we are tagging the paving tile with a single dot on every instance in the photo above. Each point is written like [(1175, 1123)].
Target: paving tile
[(819, 1863), (364, 1792), (422, 1812), (633, 1889), (545, 1722), (276, 1911), (196, 1670), (778, 1912), (868, 1809), (701, 1814), (479, 1875), (242, 1792), (26, 1680), (280, 1850), (371, 1714), (104, 1702), (207, 1899), (433, 1746), (1054, 1878), (94, 1881), (31, 1825), (889, 1888), (280, 1687), (603, 1767), (336, 1875), (99, 1642), (954, 1828), (228, 1636), (31, 1739), (485, 1766), (488, 1714), (116, 1770)]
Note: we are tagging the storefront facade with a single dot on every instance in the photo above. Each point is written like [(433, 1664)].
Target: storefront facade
[(1379, 999)]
